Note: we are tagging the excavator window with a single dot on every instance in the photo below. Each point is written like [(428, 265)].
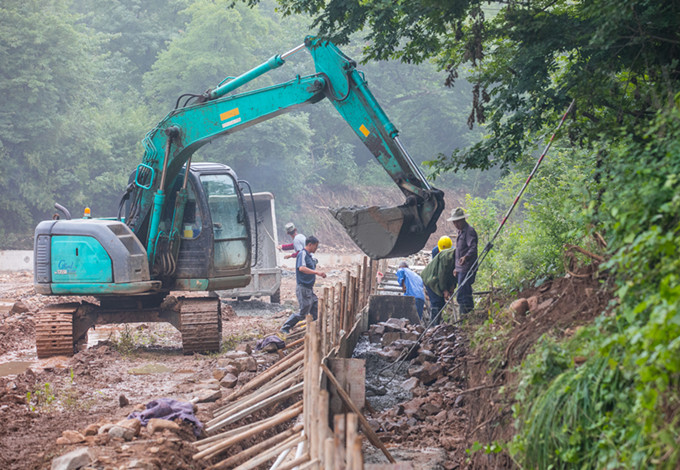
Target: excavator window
[(228, 215), (192, 223)]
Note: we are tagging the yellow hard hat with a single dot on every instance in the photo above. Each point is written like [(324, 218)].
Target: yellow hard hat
[(444, 243)]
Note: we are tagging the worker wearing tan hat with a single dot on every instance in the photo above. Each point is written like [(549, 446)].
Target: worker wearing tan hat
[(466, 257), (298, 241)]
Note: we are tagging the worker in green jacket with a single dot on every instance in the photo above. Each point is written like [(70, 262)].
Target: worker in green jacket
[(438, 276)]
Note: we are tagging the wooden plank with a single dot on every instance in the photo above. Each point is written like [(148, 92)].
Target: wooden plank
[(370, 434), (351, 374)]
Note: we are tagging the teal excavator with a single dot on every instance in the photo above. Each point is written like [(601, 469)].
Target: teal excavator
[(185, 227)]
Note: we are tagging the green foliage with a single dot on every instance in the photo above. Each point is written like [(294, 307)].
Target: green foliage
[(618, 59), (550, 215), (618, 409)]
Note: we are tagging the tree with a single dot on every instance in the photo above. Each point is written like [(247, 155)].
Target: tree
[(617, 58), (43, 79)]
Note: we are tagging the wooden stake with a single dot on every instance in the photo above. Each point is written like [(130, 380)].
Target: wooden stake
[(294, 463), (323, 430), (352, 430), (339, 441), (281, 417), (331, 323), (266, 444), (271, 453), (370, 434), (329, 453), (282, 395), (314, 374)]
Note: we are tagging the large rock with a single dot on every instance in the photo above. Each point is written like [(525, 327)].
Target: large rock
[(248, 364), (70, 437), (410, 384), (520, 306), (390, 337), (91, 430), (160, 425), (78, 458), (206, 396), (427, 373), (229, 381), (122, 432), (218, 374), (134, 424)]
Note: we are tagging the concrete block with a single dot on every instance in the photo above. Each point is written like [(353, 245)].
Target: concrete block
[(383, 307)]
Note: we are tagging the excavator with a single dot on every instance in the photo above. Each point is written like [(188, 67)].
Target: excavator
[(183, 226)]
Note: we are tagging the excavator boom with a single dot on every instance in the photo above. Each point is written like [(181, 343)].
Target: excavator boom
[(381, 232)]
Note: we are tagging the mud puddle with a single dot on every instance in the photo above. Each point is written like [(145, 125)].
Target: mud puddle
[(14, 367)]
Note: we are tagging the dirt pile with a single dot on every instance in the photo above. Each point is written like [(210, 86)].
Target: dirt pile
[(557, 308)]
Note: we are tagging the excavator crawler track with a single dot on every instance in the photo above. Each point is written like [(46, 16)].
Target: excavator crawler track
[(54, 330), (201, 324)]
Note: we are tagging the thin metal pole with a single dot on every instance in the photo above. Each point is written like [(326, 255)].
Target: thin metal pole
[(293, 51)]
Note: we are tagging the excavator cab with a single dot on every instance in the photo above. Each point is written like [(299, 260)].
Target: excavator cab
[(214, 253)]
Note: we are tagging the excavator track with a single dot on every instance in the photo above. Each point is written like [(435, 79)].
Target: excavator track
[(54, 330), (201, 324)]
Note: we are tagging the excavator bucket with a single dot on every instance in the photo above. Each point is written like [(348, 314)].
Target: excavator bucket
[(384, 232)]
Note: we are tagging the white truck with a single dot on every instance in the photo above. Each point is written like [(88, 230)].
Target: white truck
[(265, 273)]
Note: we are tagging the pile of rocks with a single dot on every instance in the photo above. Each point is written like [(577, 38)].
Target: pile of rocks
[(434, 416), (126, 444)]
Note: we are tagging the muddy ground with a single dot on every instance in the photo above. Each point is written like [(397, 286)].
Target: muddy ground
[(430, 422)]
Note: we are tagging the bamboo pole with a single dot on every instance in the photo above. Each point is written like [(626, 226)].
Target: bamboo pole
[(322, 429), (282, 395), (266, 375), (312, 464), (351, 428), (207, 442), (266, 444), (370, 434), (329, 453), (265, 390), (281, 417), (321, 323), (339, 440), (333, 325), (294, 463), (364, 280), (314, 375), (294, 343), (357, 456), (271, 453)]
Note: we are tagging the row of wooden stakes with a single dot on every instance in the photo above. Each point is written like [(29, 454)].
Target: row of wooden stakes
[(302, 373)]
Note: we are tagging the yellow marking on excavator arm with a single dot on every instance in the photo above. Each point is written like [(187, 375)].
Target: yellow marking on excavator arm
[(230, 114), (364, 130)]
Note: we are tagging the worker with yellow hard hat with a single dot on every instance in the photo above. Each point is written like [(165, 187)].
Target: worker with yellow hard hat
[(444, 243), (437, 301)]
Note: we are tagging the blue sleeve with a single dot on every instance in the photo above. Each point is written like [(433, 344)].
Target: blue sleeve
[(400, 276), (300, 260)]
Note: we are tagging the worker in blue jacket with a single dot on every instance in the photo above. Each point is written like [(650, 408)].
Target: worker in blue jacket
[(412, 285)]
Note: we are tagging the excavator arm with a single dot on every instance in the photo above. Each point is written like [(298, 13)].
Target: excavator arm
[(380, 232)]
